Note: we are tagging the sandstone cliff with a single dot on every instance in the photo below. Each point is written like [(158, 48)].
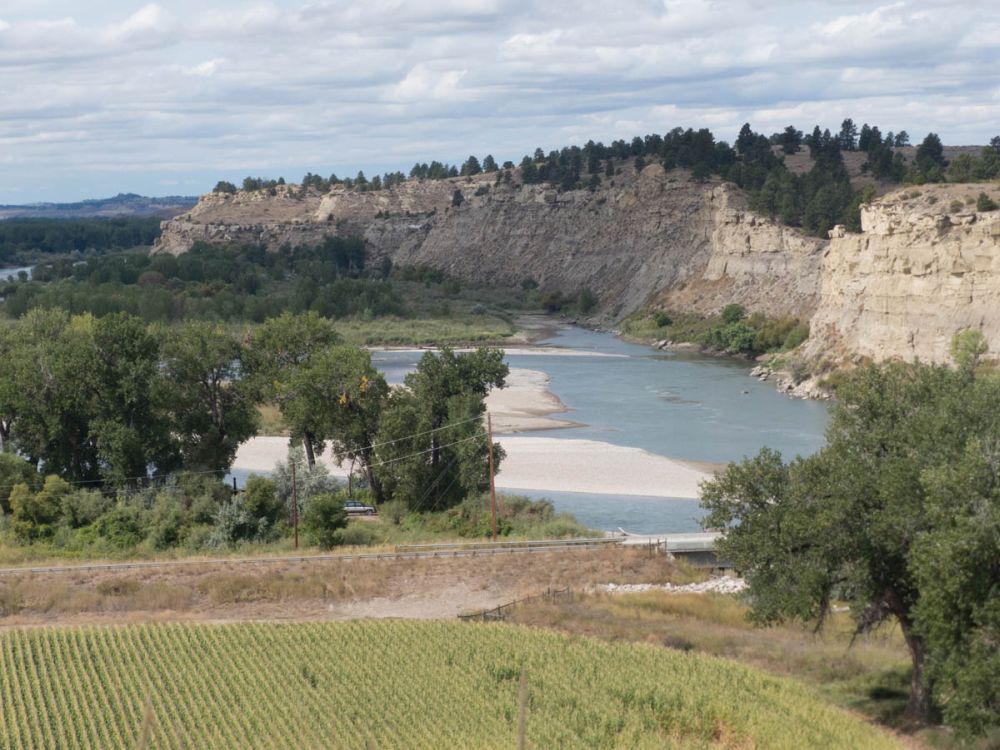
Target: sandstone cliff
[(640, 236), (925, 266)]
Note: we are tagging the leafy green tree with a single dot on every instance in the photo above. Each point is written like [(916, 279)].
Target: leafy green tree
[(211, 410), (868, 519), (490, 164), (431, 450), (276, 353), (223, 186), (260, 498), (54, 367), (35, 513), (131, 430), (14, 470)]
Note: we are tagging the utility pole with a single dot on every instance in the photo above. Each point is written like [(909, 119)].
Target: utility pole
[(295, 505), (493, 490)]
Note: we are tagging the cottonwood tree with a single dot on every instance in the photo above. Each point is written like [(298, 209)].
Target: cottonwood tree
[(432, 447), (211, 410), (898, 514), (277, 351)]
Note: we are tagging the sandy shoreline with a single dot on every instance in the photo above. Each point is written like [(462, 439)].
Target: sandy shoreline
[(526, 404), (544, 464)]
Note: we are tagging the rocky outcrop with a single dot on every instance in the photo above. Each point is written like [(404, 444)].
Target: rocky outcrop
[(640, 236), (926, 266)]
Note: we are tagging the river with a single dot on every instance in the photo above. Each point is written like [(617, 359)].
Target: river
[(682, 406)]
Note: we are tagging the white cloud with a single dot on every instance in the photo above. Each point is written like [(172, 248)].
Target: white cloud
[(208, 89)]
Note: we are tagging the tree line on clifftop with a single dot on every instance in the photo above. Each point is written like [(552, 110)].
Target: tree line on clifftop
[(814, 201)]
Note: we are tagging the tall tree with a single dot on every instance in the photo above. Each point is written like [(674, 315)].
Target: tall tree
[(432, 451), (275, 353), (212, 410), (861, 519)]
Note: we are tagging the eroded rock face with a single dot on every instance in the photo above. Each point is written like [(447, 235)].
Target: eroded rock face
[(926, 265), (641, 235), (919, 272)]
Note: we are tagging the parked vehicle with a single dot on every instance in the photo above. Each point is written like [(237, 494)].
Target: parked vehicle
[(357, 507)]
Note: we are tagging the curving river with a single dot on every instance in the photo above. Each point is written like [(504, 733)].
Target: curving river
[(681, 406)]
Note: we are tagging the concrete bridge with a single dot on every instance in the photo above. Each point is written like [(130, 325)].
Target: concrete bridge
[(697, 548)]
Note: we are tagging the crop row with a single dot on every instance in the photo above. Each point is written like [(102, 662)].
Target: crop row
[(389, 685)]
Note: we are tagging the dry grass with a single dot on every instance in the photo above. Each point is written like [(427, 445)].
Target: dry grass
[(308, 590)]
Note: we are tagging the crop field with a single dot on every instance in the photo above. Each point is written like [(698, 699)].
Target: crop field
[(391, 684)]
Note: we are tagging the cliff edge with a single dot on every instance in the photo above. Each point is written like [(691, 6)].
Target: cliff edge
[(925, 266)]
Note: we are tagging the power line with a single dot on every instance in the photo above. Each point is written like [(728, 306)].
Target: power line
[(137, 491)]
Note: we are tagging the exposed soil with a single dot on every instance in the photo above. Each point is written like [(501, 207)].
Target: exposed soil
[(327, 590)]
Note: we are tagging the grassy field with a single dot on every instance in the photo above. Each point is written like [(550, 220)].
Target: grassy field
[(380, 684), (868, 674), (455, 331)]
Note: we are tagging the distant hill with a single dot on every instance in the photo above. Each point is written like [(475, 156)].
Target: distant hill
[(123, 204)]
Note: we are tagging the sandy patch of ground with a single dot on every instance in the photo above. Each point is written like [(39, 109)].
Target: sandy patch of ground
[(555, 464), (525, 404), (543, 464)]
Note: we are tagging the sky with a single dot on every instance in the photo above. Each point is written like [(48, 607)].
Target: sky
[(167, 98)]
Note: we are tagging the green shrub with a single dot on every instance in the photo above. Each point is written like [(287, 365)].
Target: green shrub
[(83, 507), (122, 526), (322, 517), (985, 203), (733, 313), (167, 521), (357, 535), (662, 319), (955, 206), (586, 301), (796, 336), (260, 498), (15, 470)]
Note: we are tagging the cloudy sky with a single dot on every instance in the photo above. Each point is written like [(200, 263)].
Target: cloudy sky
[(169, 97)]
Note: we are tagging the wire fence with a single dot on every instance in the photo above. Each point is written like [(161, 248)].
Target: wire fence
[(501, 611)]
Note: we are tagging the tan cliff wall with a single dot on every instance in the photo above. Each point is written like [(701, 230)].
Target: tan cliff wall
[(925, 266), (639, 238)]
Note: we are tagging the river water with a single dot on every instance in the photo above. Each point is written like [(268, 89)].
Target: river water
[(682, 406)]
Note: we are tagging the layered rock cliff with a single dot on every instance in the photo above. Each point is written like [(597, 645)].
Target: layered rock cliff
[(640, 236), (925, 266)]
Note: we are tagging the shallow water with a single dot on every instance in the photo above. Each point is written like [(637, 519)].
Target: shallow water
[(684, 406)]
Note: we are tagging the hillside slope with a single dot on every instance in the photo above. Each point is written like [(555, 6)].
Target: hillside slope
[(637, 235), (925, 266)]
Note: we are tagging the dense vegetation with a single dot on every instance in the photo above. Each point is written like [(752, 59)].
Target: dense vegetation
[(116, 432), (731, 331), (22, 239), (899, 515), (392, 685), (213, 283)]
